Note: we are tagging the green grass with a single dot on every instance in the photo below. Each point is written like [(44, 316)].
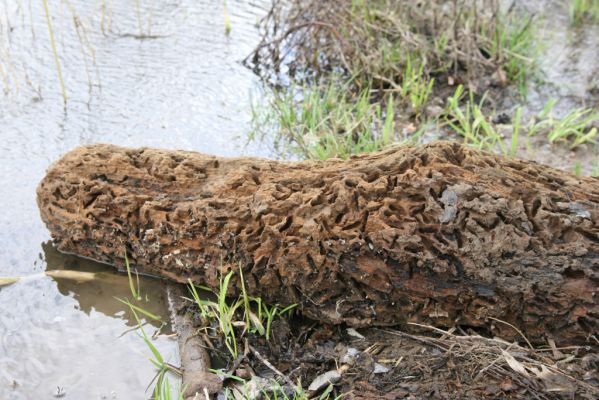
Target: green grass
[(415, 87), (510, 41), (573, 129), (471, 122), (379, 68), (134, 289), (250, 313), (163, 390), (220, 310), (446, 37), (581, 10), (328, 120)]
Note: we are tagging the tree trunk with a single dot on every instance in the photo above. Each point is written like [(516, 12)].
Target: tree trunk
[(438, 234)]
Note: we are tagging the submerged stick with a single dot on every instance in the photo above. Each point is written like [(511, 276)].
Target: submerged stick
[(195, 361), (439, 234), (77, 276)]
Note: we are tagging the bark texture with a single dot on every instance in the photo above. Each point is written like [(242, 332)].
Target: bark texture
[(438, 234)]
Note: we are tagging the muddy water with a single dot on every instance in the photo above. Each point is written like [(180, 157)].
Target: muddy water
[(137, 73)]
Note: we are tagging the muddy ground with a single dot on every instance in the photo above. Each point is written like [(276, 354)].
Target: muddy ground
[(397, 363)]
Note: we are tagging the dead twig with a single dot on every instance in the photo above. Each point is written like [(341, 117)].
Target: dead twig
[(270, 366)]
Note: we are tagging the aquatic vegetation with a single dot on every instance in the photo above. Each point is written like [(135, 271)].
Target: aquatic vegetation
[(55, 52), (162, 389), (140, 310), (226, 18)]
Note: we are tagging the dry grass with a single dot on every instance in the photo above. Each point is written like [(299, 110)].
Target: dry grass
[(542, 373)]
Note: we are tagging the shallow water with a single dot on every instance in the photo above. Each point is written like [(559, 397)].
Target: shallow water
[(163, 75), (568, 71)]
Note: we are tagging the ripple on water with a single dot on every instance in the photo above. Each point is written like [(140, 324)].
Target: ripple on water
[(185, 89), (64, 333)]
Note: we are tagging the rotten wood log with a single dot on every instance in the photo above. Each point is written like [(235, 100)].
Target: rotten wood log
[(439, 234)]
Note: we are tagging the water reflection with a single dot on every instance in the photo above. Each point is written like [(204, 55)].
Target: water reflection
[(68, 333), (183, 89), (100, 293)]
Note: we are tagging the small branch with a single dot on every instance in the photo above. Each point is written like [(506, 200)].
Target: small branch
[(270, 366)]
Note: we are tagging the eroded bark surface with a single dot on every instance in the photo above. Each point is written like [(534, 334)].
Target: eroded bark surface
[(437, 234)]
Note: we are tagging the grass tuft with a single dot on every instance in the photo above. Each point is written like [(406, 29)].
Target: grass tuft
[(329, 121), (581, 10), (471, 122), (251, 313), (574, 129)]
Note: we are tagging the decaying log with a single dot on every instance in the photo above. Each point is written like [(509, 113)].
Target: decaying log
[(439, 234)]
